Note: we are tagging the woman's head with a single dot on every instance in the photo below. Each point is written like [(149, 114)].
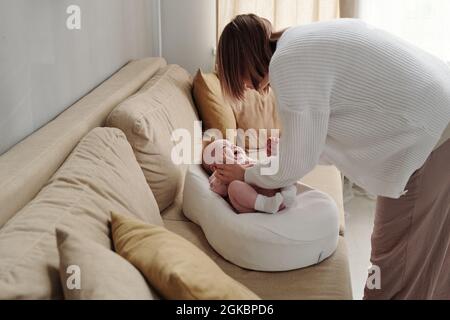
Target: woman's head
[(244, 53)]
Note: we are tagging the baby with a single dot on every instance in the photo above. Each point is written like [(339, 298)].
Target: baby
[(245, 198)]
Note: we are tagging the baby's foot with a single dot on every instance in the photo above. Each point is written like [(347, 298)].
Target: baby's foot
[(289, 194), (268, 204)]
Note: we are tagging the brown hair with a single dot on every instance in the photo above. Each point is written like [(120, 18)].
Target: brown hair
[(244, 52)]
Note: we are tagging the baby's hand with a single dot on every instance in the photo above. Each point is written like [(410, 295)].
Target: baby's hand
[(217, 186), (272, 146)]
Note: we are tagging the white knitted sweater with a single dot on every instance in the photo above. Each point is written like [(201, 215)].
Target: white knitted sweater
[(359, 98)]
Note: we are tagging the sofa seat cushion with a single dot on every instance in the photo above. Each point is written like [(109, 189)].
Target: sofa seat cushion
[(327, 280), (101, 175), (175, 210)]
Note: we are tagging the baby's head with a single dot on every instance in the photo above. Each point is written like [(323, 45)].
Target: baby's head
[(222, 151)]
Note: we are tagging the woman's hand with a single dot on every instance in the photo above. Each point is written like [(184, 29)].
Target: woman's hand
[(228, 173)]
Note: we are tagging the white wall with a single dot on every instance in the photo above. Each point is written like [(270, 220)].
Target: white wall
[(189, 33), (44, 67)]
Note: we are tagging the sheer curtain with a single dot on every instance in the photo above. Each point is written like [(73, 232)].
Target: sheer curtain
[(424, 23), (282, 13)]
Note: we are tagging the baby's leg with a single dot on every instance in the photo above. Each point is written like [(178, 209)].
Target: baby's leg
[(266, 192), (289, 195), (242, 196), (245, 199)]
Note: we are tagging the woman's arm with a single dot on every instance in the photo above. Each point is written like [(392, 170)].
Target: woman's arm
[(303, 99), (304, 135)]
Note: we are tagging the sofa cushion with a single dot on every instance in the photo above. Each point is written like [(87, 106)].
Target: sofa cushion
[(175, 210), (254, 113), (328, 280), (103, 274), (214, 112), (173, 265), (99, 176), (26, 167), (149, 118)]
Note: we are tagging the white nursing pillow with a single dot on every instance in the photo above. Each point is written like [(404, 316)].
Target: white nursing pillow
[(297, 237)]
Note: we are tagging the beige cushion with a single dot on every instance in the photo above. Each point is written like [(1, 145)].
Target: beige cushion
[(99, 176), (328, 280), (212, 108), (149, 118), (174, 266), (256, 114), (25, 168), (103, 274)]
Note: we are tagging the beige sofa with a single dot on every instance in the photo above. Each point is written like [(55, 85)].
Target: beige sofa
[(26, 168)]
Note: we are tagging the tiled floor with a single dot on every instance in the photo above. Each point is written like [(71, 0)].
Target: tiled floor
[(359, 223)]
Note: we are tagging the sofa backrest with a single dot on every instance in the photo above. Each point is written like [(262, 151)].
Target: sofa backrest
[(27, 167), (160, 123)]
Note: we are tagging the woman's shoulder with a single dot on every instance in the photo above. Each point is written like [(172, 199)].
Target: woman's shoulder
[(304, 35), (314, 46)]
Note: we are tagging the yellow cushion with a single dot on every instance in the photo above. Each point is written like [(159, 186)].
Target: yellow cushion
[(256, 114), (173, 265), (256, 111), (212, 108)]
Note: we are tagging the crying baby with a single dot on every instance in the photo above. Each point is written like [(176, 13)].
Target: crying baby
[(243, 197)]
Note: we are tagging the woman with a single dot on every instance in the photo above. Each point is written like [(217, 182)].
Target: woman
[(376, 107)]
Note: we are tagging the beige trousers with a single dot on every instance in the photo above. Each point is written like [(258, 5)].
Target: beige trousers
[(411, 236)]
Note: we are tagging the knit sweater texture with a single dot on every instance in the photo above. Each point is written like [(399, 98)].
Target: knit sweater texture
[(357, 97)]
